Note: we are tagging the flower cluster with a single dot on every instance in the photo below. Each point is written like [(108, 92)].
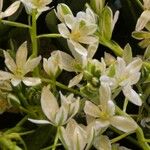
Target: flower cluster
[(92, 100)]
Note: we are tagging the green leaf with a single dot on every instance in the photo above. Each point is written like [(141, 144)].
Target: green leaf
[(141, 35), (147, 53)]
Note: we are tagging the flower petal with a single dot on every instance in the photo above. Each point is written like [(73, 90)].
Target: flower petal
[(91, 109), (1, 5), (63, 30), (49, 103), (87, 39), (21, 55), (131, 95), (143, 20), (31, 81), (15, 81), (31, 64), (102, 143), (75, 80), (5, 75), (10, 63), (11, 9), (123, 123), (39, 121)]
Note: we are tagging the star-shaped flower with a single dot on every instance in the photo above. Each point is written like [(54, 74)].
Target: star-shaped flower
[(20, 67)]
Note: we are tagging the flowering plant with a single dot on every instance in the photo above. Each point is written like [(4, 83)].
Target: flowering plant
[(71, 81)]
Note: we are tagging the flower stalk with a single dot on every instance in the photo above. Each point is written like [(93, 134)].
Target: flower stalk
[(56, 139)]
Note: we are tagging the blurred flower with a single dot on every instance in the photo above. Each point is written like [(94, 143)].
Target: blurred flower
[(76, 137), (57, 115), (38, 5), (125, 76), (145, 16), (10, 10), (104, 112), (20, 68), (51, 65)]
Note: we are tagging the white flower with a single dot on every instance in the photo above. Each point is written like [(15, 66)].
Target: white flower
[(57, 115), (10, 10), (126, 76), (20, 68), (51, 65), (38, 5), (104, 112), (76, 137), (145, 16), (79, 31)]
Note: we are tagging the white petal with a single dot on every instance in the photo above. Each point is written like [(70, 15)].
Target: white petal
[(15, 81), (123, 123), (69, 20), (12, 9), (131, 95), (1, 5), (143, 20), (31, 81), (88, 29), (39, 121), (78, 48), (105, 95), (91, 109), (87, 39), (74, 81), (110, 108), (49, 103), (21, 55), (63, 30), (61, 116), (9, 62), (31, 64), (66, 61), (102, 143), (65, 139), (5, 75)]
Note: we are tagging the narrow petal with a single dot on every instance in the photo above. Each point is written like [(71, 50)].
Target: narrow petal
[(10, 62), (66, 62), (12, 9), (1, 5), (110, 108), (75, 80), (61, 116), (131, 95), (49, 103), (102, 143), (31, 64), (69, 20), (91, 109), (105, 95), (123, 123), (89, 29), (5, 75), (87, 39), (39, 121), (15, 81), (65, 139), (21, 55), (78, 48), (63, 30), (143, 20), (31, 81)]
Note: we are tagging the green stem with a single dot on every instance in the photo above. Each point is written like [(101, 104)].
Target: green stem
[(49, 36), (62, 86), (114, 140), (15, 24), (56, 139), (33, 34), (139, 3)]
